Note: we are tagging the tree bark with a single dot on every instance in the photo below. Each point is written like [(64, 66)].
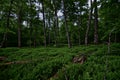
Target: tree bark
[(96, 23), (89, 23), (66, 26), (49, 27), (55, 24), (44, 28), (79, 26), (34, 42), (115, 39), (19, 29), (30, 22), (4, 41), (55, 33), (19, 15)]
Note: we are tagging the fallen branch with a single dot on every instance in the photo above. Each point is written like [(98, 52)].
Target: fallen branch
[(18, 62)]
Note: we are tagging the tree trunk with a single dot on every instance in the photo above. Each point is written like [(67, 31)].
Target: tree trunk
[(55, 33), (44, 28), (89, 23), (56, 25), (34, 41), (3, 43), (115, 39), (35, 37), (49, 26), (19, 23), (66, 26), (96, 23), (5, 36), (19, 29), (79, 26), (30, 22)]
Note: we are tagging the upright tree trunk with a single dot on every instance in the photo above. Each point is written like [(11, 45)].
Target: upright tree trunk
[(89, 23), (19, 28), (66, 26), (30, 22), (30, 36), (44, 28), (49, 26), (79, 40), (79, 26), (35, 39), (56, 25), (55, 33), (5, 36), (96, 23), (115, 39), (4, 41)]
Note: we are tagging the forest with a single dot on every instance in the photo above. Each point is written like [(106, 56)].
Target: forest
[(59, 39)]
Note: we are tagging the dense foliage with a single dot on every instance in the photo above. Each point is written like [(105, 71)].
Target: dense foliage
[(90, 28), (55, 22), (57, 63)]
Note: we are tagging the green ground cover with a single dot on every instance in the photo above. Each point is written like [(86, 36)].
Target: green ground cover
[(57, 63)]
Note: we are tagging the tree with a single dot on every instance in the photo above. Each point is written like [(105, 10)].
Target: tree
[(44, 27), (89, 23), (19, 25), (109, 20), (56, 31), (66, 25), (96, 23), (4, 41), (37, 22)]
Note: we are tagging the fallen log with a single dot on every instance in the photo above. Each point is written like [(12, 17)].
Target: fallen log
[(80, 59)]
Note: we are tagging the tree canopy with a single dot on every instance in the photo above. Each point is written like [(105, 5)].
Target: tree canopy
[(57, 22)]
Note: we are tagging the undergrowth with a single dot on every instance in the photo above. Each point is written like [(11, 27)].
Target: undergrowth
[(57, 63)]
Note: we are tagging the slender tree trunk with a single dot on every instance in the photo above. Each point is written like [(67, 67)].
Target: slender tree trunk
[(44, 28), (35, 38), (49, 26), (34, 43), (55, 23), (79, 33), (109, 42), (19, 34), (55, 33), (19, 15), (56, 26), (30, 36), (96, 23), (5, 36), (89, 23), (79, 26), (30, 22), (115, 39), (3, 43), (19, 29), (66, 26)]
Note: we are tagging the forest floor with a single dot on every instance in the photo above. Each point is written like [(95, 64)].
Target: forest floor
[(91, 62)]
